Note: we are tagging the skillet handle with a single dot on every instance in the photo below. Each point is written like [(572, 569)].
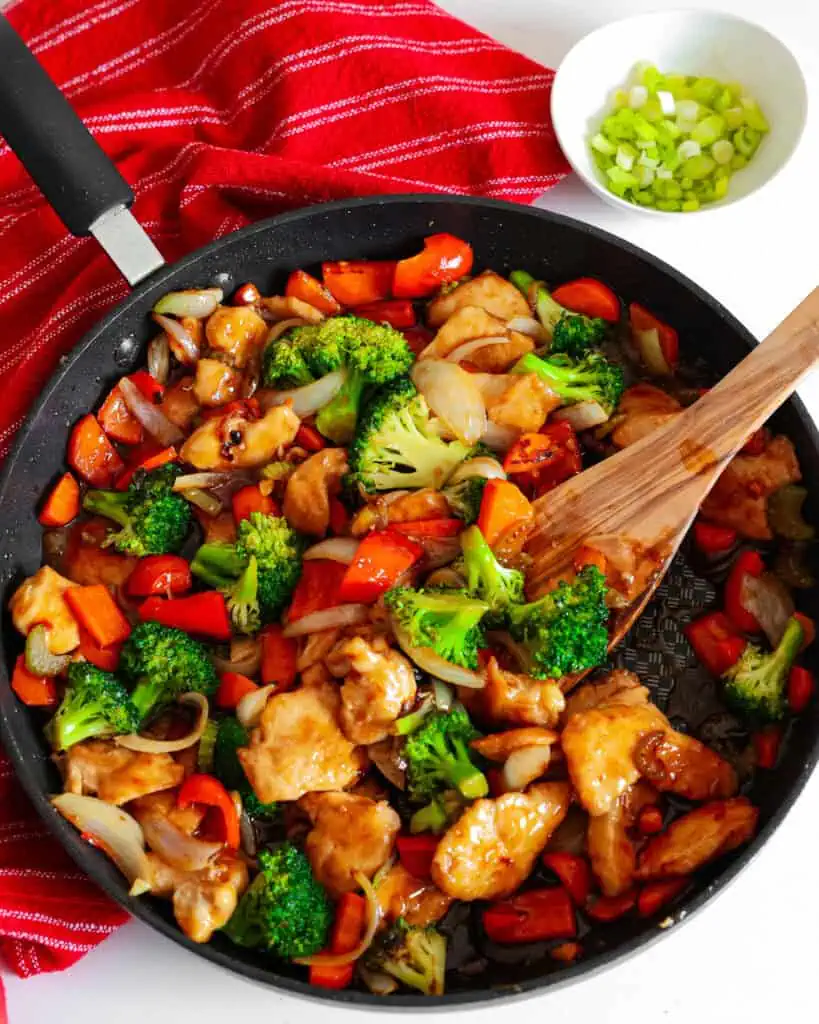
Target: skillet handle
[(69, 167)]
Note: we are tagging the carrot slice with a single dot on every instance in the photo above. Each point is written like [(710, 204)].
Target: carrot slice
[(36, 691), (301, 285), (106, 658), (503, 504), (63, 504), (117, 420), (92, 455), (98, 612)]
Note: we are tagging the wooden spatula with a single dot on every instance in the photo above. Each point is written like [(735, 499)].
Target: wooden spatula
[(644, 498)]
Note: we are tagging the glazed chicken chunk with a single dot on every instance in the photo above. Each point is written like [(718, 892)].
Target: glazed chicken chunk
[(116, 775), (488, 291), (235, 332), (350, 834), (492, 848), (235, 442), (307, 497), (675, 763), (299, 747), (470, 323), (610, 850), (518, 699), (521, 401), (418, 901), (378, 687), (40, 599), (642, 409), (618, 687)]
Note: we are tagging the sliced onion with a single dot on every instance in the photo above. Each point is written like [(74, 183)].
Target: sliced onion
[(499, 438), (200, 481), (439, 551), (373, 921), (337, 549), (114, 830), (250, 707), (308, 399), (651, 352), (329, 618), (428, 661), (489, 469), (159, 358), (247, 834), (444, 696), (524, 766), (388, 757), (184, 347), (245, 656), (209, 503), (465, 350), (196, 302), (452, 395), (769, 601), (277, 330), (149, 745), (176, 847), (583, 416), (155, 422), (528, 325), (378, 983)]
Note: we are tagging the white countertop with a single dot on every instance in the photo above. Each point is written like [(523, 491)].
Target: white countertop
[(751, 955)]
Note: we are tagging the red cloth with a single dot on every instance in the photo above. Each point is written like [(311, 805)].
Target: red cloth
[(220, 113)]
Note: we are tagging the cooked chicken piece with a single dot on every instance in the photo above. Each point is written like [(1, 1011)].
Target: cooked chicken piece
[(179, 403), (307, 497), (599, 745), (233, 442), (379, 686), (349, 834), (86, 562), (501, 745), (408, 508), (618, 687), (216, 383), (470, 323), (116, 775), (675, 763), (281, 307), (39, 600), (697, 837), (642, 409), (523, 404), (518, 699), (186, 819), (641, 794), (236, 332), (203, 901), (299, 748), (610, 850), (219, 529), (493, 846), (400, 894), (739, 498), (488, 290), (316, 675)]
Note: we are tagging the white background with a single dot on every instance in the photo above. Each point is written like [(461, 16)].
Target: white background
[(752, 955)]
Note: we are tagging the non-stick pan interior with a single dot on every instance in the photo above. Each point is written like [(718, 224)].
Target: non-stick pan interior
[(504, 237)]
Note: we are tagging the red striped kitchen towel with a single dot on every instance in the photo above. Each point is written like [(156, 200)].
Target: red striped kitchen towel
[(219, 113)]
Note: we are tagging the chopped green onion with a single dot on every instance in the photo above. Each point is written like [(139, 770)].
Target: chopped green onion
[(602, 145), (688, 149), (746, 141), (722, 151), (709, 130), (637, 97), (688, 110)]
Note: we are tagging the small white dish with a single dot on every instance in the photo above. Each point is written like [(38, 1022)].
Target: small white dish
[(687, 42)]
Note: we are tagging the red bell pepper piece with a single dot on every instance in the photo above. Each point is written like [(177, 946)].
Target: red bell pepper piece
[(35, 691), (207, 790), (358, 282), (160, 574), (766, 743), (650, 820), (106, 658), (429, 528), (146, 462), (116, 419), (351, 916), (541, 461), (232, 687), (655, 895), (808, 629), (398, 313), (96, 611), (339, 518), (309, 438), (715, 641), (532, 916), (443, 259), (279, 656), (712, 539), (589, 297), (747, 563), (317, 589), (418, 338), (202, 614), (63, 503), (380, 559), (502, 506), (609, 908), (301, 285), (573, 872), (642, 320), (250, 499), (92, 455), (149, 386), (756, 443), (801, 685), (416, 853)]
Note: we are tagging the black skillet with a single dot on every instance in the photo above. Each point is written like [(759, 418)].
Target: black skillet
[(91, 197)]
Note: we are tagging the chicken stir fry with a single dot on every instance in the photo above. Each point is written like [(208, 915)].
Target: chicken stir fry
[(284, 649)]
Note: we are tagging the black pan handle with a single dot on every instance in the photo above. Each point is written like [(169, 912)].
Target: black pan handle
[(70, 168)]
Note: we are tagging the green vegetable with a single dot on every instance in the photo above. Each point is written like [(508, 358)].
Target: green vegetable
[(566, 630), (95, 705), (756, 685), (785, 516), (792, 565), (570, 333), (154, 520), (448, 621), (414, 956), (486, 578), (415, 719), (207, 742), (396, 446), (465, 497), (230, 736), (439, 758), (39, 658), (591, 379), (162, 663), (438, 814), (284, 911)]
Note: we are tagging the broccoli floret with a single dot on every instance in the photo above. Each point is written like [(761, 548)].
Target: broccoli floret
[(756, 685), (566, 630), (465, 497), (571, 333), (413, 955), (277, 550), (438, 758), (228, 768), (590, 379), (438, 814), (164, 663), (95, 704), (370, 354), (395, 445), (486, 578), (448, 621), (154, 520), (284, 911)]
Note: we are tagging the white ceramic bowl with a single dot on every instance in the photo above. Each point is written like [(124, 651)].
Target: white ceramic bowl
[(691, 43)]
